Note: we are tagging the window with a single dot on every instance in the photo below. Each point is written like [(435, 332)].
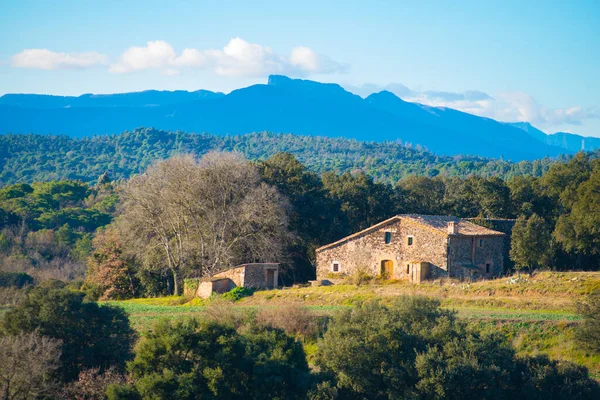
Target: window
[(410, 240), (408, 268), (335, 266), (480, 242), (388, 237), (487, 268)]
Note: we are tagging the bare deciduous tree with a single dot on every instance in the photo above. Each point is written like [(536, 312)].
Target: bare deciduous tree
[(202, 216), (27, 363), (91, 384)]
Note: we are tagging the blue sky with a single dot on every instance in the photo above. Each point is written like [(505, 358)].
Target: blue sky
[(535, 60)]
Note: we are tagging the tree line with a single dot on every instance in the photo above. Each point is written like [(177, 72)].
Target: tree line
[(28, 158), (189, 217)]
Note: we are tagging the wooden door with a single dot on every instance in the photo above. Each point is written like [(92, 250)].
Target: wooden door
[(270, 278), (387, 268)]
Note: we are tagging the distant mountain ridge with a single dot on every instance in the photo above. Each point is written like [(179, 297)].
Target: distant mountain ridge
[(147, 98), (565, 140), (282, 105)]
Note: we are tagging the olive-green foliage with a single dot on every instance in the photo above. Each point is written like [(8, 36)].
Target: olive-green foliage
[(48, 226), (530, 243), (315, 216), (237, 293), (205, 360), (370, 350), (45, 158), (190, 286), (413, 349), (588, 332), (51, 205), (578, 229), (93, 336), (15, 279)]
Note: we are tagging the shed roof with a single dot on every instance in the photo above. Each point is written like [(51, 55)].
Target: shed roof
[(437, 223)]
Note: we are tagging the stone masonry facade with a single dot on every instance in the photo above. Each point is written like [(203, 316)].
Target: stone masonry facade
[(253, 276), (395, 247)]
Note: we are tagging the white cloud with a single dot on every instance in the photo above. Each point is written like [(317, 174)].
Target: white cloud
[(156, 54), (237, 58), (507, 106), (48, 60), (305, 58)]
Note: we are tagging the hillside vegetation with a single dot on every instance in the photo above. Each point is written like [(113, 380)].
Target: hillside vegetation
[(536, 314), (27, 158)]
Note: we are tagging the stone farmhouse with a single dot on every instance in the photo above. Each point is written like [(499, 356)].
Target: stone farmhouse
[(416, 248), (252, 275)]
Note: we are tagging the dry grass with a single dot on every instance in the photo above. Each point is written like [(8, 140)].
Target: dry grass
[(294, 319), (543, 291)]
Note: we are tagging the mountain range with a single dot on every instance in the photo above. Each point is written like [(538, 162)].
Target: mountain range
[(287, 106), (565, 140)]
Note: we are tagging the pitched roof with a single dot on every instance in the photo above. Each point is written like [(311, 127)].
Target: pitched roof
[(440, 222), (437, 223)]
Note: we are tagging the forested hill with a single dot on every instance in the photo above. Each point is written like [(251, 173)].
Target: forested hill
[(27, 158)]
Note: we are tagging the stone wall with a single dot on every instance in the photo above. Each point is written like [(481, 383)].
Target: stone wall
[(207, 288), (367, 251), (235, 274), (256, 275), (454, 255), (467, 259), (429, 245), (251, 275), (362, 252), (505, 226)]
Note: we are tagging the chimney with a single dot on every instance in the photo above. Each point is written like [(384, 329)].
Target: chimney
[(452, 228)]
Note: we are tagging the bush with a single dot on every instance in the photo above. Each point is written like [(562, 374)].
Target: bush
[(121, 391), (92, 384), (191, 359), (414, 349), (293, 319), (370, 350), (27, 363), (15, 279), (11, 296), (190, 286), (587, 333), (237, 293), (221, 312), (93, 336)]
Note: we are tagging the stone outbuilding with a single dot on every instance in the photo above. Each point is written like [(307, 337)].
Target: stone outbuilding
[(416, 248), (252, 276)]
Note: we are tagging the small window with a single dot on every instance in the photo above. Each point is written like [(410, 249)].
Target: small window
[(408, 268), (335, 266), (488, 267), (388, 237), (410, 240), (480, 242)]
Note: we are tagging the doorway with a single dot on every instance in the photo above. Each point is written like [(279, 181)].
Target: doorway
[(387, 269), (270, 278)]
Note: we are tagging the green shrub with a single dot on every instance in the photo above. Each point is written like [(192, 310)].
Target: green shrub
[(15, 279), (190, 359), (587, 332), (412, 348), (93, 336), (237, 293), (190, 286)]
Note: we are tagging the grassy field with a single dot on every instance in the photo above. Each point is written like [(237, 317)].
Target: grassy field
[(535, 313)]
